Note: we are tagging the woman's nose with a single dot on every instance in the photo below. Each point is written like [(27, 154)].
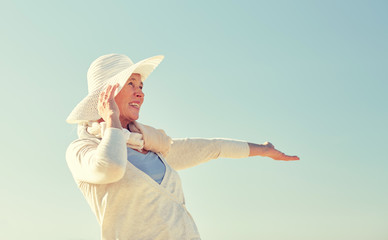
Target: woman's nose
[(139, 93)]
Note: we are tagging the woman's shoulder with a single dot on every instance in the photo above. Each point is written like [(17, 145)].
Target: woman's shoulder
[(86, 140), (84, 137), (82, 143)]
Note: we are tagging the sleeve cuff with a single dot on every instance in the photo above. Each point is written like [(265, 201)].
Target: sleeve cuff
[(114, 135)]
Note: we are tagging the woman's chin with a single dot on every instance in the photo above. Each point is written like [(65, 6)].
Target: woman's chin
[(129, 118)]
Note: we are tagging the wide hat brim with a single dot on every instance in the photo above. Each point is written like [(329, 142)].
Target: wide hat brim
[(86, 110)]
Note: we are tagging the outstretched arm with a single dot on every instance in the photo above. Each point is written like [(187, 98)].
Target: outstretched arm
[(189, 152), (268, 150)]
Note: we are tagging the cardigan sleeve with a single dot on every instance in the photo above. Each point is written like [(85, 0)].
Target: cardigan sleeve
[(189, 152), (98, 162)]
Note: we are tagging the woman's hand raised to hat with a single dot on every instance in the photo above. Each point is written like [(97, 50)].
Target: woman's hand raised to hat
[(107, 107), (268, 150)]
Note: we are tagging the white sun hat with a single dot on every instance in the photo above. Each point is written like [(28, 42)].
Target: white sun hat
[(109, 70)]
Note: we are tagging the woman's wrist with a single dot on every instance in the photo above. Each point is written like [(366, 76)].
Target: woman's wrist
[(258, 149), (113, 121)]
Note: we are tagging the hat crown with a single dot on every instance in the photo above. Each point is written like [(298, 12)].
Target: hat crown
[(104, 68)]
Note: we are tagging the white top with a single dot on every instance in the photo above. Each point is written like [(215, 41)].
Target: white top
[(127, 202)]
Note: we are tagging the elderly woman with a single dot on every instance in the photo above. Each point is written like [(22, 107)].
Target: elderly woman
[(127, 171)]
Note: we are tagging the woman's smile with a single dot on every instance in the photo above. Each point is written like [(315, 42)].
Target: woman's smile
[(135, 105)]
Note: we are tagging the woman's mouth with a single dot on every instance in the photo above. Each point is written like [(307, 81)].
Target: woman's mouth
[(135, 105)]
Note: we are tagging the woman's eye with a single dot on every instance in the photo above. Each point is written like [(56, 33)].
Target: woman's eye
[(130, 83)]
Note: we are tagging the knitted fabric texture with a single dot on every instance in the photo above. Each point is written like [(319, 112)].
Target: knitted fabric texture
[(140, 137)]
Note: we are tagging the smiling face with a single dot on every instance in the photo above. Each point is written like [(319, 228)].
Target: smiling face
[(130, 99)]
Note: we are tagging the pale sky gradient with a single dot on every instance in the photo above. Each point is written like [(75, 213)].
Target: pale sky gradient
[(309, 76)]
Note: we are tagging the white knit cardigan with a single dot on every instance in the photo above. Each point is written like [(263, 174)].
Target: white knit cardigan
[(127, 202)]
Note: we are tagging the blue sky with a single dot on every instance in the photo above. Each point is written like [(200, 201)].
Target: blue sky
[(309, 76)]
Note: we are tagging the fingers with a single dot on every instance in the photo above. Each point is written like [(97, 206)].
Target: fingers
[(108, 94), (101, 98), (111, 91), (104, 94), (285, 157), (106, 102), (290, 158), (278, 155)]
